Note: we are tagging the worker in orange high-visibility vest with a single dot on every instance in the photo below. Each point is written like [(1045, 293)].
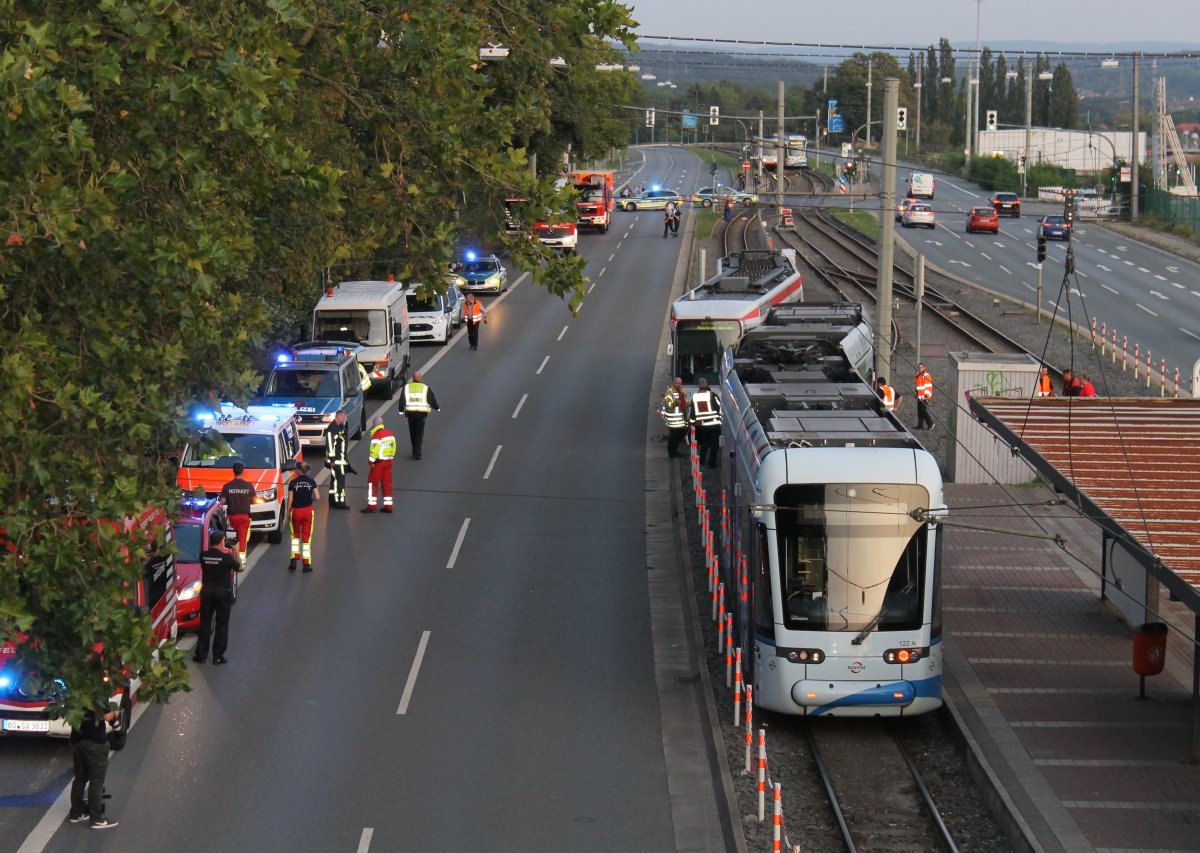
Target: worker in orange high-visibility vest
[(473, 316), (1044, 388), (924, 388), (889, 400)]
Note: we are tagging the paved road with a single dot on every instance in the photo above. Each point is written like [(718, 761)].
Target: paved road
[(473, 672)]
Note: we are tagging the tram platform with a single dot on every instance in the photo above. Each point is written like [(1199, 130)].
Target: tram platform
[(1039, 675)]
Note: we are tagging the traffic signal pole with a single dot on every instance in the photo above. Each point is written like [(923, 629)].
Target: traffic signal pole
[(887, 229)]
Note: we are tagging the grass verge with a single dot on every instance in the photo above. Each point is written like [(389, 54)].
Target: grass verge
[(860, 220)]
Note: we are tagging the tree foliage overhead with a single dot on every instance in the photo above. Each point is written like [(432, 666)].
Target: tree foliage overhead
[(174, 178)]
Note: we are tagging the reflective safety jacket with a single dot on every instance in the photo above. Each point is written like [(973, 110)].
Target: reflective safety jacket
[(706, 409), (671, 411), (335, 442), (924, 384), (1044, 388), (473, 313), (383, 445), (416, 398), (888, 395)]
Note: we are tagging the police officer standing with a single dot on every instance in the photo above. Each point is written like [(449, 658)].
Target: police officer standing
[(238, 496), (416, 403), (674, 412), (217, 565), (89, 757), (380, 455), (705, 414), (337, 460), (473, 315), (303, 491)]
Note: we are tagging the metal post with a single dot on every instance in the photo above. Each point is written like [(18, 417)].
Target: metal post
[(920, 301), (1028, 127), (967, 121), (1039, 291), (920, 87), (1135, 153), (869, 64), (887, 230), (975, 114), (703, 265), (780, 154), (533, 164), (758, 180)]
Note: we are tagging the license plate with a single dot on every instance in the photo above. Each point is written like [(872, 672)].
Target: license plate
[(26, 725)]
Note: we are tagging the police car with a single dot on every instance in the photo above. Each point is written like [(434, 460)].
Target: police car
[(317, 378)]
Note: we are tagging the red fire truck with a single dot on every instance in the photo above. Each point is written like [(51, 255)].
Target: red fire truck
[(594, 200)]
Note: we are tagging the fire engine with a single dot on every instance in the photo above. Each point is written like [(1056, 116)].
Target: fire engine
[(594, 201)]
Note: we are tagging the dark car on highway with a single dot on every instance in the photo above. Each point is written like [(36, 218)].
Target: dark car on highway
[(1055, 228), (1007, 204)]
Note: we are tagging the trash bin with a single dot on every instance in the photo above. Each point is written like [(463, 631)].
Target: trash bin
[(1149, 648)]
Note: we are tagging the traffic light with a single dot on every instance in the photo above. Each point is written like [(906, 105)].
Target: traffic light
[(1041, 256), (650, 117), (991, 120), (901, 118), (714, 115)]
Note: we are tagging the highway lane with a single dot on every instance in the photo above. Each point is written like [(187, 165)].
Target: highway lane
[(506, 701)]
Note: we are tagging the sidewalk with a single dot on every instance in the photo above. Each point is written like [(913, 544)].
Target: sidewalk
[(1039, 674)]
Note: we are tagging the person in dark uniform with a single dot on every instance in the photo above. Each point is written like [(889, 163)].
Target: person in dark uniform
[(676, 216), (674, 412), (416, 403), (337, 460), (217, 565), (89, 757), (303, 491), (668, 213), (238, 496)]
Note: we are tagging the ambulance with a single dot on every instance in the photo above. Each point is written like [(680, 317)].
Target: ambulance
[(27, 704), (266, 439)]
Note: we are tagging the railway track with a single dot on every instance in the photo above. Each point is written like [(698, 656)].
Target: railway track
[(889, 807)]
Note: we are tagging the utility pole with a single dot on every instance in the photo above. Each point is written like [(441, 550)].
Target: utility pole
[(975, 114), (1136, 155), (761, 131), (825, 81), (920, 97), (969, 137), (869, 64), (1028, 126), (780, 154), (887, 229)]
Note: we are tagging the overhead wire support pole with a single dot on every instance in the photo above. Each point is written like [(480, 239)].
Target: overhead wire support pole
[(1028, 132), (780, 154), (1135, 154), (887, 229)]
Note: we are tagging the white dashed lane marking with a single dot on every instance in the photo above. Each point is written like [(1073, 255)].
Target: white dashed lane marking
[(542, 366), (409, 685)]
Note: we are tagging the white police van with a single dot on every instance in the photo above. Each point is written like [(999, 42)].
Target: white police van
[(373, 316)]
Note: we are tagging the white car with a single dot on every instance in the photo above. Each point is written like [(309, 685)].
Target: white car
[(918, 214), (430, 317)]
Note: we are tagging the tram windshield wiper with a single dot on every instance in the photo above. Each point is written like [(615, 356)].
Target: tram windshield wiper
[(878, 617)]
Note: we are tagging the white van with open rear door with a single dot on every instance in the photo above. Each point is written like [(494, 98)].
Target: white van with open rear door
[(373, 316)]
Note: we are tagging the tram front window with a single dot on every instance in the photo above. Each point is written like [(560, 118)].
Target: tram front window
[(851, 557), (698, 348)]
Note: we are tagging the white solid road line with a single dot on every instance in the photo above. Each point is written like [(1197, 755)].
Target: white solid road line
[(542, 366), (1189, 334), (1006, 269), (462, 534), (406, 696), (1144, 308), (364, 840), (560, 334), (1111, 290), (492, 464), (517, 410)]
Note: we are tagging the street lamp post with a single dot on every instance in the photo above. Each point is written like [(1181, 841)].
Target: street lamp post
[(975, 118)]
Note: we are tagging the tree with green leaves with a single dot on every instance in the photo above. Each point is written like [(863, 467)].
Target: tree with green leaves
[(1063, 105), (173, 180)]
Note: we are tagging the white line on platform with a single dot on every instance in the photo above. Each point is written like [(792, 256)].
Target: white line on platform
[(560, 334), (406, 696), (364, 840), (517, 410), (1144, 308), (462, 534), (542, 366), (492, 464)]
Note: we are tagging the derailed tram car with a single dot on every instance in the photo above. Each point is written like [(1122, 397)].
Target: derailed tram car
[(836, 508)]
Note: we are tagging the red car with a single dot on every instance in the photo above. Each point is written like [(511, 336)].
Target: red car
[(197, 518), (983, 219)]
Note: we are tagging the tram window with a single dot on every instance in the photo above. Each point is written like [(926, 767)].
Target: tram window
[(764, 615)]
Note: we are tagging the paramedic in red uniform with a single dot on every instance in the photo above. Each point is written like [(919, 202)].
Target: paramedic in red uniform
[(238, 496), (303, 492), (381, 454)]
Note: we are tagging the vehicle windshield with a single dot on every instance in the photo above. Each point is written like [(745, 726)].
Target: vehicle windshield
[(297, 382), (221, 449), (432, 304), (850, 555), (983, 211), (187, 539), (698, 348), (368, 328), (484, 267), (1055, 220), (592, 194)]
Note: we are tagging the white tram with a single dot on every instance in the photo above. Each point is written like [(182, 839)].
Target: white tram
[(715, 315), (835, 508)]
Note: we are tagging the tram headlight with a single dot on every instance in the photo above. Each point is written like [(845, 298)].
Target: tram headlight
[(907, 655), (805, 656)]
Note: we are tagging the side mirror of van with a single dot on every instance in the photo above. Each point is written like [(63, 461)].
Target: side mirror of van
[(398, 331), (290, 465)]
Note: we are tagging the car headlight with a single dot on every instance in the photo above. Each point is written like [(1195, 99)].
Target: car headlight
[(493, 280), (263, 495), (329, 417), (191, 591)]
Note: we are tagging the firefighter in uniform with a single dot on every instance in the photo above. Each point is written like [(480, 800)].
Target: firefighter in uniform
[(473, 315), (674, 412), (217, 566), (924, 387), (381, 454), (337, 460), (303, 491), (705, 414), (238, 496), (889, 400), (416, 403)]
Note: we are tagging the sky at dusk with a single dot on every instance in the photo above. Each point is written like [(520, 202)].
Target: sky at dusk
[(920, 22)]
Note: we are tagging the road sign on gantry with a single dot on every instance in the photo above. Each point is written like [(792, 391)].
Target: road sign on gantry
[(650, 118), (714, 115)]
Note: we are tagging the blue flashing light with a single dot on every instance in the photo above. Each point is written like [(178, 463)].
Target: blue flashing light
[(6, 681), (656, 187), (470, 254), (205, 417), (283, 358)]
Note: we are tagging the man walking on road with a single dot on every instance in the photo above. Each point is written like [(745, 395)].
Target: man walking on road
[(705, 414), (238, 496), (473, 316), (416, 403), (337, 460), (303, 491), (668, 216), (924, 388), (217, 565), (89, 757), (380, 455)]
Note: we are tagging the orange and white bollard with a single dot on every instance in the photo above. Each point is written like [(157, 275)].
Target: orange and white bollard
[(720, 617), (1114, 345), (1137, 359), (1177, 383), (777, 820), (714, 605), (737, 686), (728, 650), (749, 726), (1124, 355), (1094, 337), (1148, 363), (1162, 378), (762, 775)]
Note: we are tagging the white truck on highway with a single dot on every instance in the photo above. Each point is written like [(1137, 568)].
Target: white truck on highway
[(920, 185)]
